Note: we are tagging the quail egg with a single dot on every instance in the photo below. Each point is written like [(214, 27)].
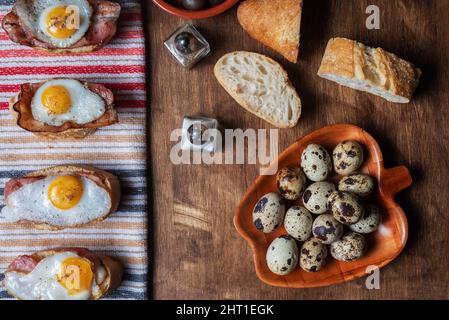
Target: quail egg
[(316, 162), (345, 207), (316, 195), (326, 229), (313, 255), (368, 222), (298, 223), (360, 184), (282, 255), (268, 213), (350, 247), (290, 182), (347, 157)]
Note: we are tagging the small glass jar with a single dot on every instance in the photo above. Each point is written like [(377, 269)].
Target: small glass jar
[(187, 45), (199, 133)]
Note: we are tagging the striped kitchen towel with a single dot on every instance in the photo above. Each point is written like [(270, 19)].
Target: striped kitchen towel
[(119, 149)]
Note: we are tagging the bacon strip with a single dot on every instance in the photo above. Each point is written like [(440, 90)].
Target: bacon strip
[(24, 264), (15, 184)]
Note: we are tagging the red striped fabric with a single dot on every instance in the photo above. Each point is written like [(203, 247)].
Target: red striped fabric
[(120, 66)]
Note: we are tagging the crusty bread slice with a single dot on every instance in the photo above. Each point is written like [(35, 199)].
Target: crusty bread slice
[(109, 181), (274, 23), (261, 86), (372, 70), (113, 268)]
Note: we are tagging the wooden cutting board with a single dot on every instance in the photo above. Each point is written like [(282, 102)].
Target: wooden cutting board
[(197, 251)]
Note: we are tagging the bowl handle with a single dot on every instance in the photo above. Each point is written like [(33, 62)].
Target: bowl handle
[(395, 180)]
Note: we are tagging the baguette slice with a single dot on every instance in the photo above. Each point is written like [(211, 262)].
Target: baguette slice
[(261, 86), (107, 180), (102, 27), (274, 23), (372, 70), (20, 108), (112, 267)]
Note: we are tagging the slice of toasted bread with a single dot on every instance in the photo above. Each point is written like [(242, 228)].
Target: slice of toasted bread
[(261, 86), (112, 267), (102, 27), (274, 23), (108, 181), (372, 70), (20, 107)]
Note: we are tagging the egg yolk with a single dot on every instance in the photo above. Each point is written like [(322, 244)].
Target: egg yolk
[(65, 192), (58, 24), (56, 99), (75, 275)]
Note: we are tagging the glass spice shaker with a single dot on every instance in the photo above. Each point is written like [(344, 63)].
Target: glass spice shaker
[(187, 45)]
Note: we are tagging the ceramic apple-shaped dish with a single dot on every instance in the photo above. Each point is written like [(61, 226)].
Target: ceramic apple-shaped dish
[(384, 245)]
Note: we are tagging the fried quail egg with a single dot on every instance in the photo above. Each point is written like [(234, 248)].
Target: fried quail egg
[(60, 23), (347, 157), (326, 229), (62, 276), (316, 195), (298, 223), (360, 184), (282, 255), (316, 162), (313, 255), (62, 100), (59, 201), (369, 222), (345, 207), (290, 182), (269, 212), (350, 247)]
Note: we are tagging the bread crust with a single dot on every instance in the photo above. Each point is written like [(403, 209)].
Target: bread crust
[(242, 102), (114, 268), (274, 23), (110, 183), (386, 72)]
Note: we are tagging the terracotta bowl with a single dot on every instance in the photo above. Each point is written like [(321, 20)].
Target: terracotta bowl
[(385, 244), (199, 14)]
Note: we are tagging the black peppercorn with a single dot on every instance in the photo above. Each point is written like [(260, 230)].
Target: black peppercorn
[(196, 133), (186, 43)]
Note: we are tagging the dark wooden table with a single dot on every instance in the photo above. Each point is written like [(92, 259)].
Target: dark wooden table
[(196, 251)]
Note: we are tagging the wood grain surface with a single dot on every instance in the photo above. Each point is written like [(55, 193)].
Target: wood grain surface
[(196, 251)]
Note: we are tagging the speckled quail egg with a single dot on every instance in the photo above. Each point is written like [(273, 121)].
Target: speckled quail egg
[(369, 222), (298, 223), (347, 157), (360, 184), (282, 255), (313, 255), (350, 247), (345, 207), (326, 229), (316, 195), (316, 162), (290, 182), (268, 213)]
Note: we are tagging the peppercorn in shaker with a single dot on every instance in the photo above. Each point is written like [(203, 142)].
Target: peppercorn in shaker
[(187, 45)]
